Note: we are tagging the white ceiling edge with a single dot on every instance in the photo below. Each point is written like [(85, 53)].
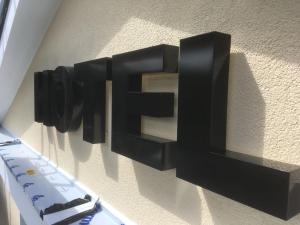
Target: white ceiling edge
[(25, 26), (12, 8)]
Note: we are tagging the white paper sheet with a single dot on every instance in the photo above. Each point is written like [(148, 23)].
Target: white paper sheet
[(44, 184)]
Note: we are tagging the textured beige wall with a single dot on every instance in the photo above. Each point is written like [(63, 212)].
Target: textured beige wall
[(263, 109)]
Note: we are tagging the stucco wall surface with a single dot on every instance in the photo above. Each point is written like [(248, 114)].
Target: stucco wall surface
[(263, 108)]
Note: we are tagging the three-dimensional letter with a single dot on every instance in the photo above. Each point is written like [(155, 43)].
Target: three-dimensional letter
[(129, 103)]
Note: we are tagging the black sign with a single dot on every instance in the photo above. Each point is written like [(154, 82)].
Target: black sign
[(199, 154), (94, 75), (129, 103)]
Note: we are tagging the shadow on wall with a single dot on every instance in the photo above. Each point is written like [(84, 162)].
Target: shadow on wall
[(245, 133), (4, 220), (229, 212), (174, 195), (246, 106), (182, 198), (110, 160), (246, 109), (81, 150), (265, 23), (255, 26), (51, 144)]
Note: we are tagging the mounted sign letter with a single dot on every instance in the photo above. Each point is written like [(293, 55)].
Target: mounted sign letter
[(38, 97), (129, 103), (199, 154), (43, 97), (202, 159), (68, 101), (94, 74)]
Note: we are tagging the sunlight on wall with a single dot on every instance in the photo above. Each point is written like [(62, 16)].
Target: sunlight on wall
[(263, 107)]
